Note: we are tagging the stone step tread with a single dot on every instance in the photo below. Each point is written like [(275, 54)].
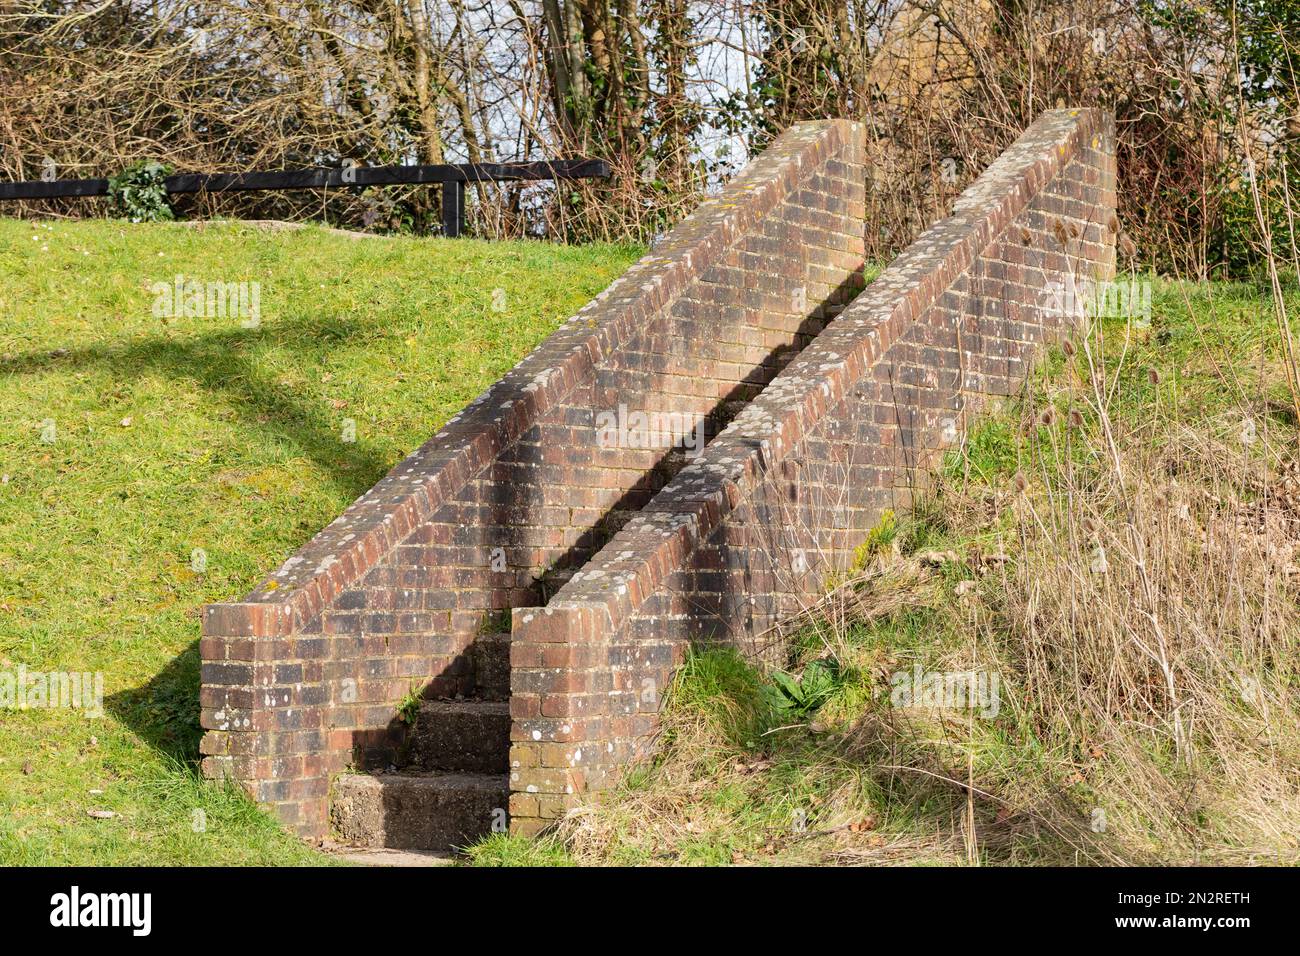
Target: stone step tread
[(417, 811), (387, 857), (460, 736), (422, 780)]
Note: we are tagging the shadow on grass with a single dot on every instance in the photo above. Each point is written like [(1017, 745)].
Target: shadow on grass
[(216, 362), (164, 712)]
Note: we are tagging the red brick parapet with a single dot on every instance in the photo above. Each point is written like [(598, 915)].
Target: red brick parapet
[(750, 530), (301, 679)]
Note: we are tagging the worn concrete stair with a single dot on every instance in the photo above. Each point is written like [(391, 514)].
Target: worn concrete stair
[(461, 736), (417, 811), (491, 657), (451, 787)]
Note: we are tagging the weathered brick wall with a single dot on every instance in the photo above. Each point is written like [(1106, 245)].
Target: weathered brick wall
[(749, 531), (302, 678)]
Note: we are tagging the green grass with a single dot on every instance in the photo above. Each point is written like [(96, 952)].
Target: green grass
[(172, 435), (502, 849)]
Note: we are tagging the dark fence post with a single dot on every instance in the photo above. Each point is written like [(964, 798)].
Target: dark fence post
[(453, 208)]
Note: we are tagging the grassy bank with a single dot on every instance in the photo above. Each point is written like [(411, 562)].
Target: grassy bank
[(1112, 555), (152, 462)]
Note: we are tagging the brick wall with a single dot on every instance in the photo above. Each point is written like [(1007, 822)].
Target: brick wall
[(302, 678), (748, 531)]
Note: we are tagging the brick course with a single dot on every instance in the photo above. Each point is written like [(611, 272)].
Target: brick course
[(302, 678), (747, 533)]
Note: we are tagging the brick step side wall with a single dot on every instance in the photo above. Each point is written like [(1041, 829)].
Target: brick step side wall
[(302, 678), (747, 533)]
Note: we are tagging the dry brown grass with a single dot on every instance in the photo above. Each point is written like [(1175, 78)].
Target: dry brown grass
[(1149, 619)]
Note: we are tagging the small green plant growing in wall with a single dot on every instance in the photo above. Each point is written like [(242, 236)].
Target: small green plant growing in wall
[(879, 539), (497, 622), (409, 707), (139, 192)]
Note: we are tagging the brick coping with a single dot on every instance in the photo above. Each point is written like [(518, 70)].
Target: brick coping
[(639, 558), (341, 553)]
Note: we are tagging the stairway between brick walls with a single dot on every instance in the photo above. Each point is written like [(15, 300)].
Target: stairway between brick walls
[(450, 784), (820, 406), (413, 585)]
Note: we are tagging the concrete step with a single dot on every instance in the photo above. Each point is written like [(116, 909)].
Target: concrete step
[(491, 656), (559, 577), (387, 857), (673, 462), (405, 811), (555, 579), (461, 736)]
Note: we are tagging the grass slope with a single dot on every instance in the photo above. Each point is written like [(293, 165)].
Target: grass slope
[(178, 434), (1120, 546)]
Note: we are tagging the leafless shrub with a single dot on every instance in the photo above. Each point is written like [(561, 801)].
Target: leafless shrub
[(675, 94)]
